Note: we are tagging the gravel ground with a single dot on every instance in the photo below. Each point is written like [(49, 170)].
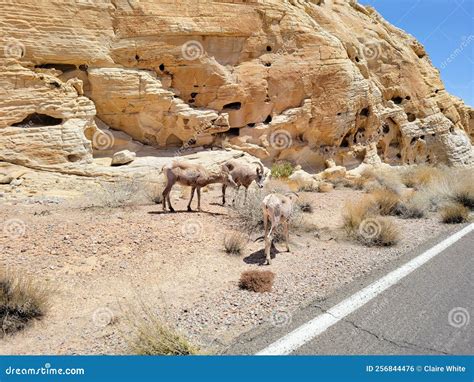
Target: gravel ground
[(104, 264)]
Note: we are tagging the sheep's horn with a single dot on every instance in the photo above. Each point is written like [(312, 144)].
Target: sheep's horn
[(260, 165)]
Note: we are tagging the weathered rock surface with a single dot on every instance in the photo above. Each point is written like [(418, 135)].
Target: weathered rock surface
[(123, 157), (299, 80)]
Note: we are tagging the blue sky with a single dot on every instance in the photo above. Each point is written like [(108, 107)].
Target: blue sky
[(445, 28)]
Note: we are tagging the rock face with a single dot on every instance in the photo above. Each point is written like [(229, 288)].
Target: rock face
[(304, 81)]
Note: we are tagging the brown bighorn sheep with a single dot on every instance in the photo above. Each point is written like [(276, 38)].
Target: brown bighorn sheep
[(195, 176), (244, 174), (277, 208)]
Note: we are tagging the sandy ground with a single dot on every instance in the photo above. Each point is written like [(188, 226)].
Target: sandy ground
[(104, 263)]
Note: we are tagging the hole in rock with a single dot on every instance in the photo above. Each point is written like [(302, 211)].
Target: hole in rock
[(234, 131), (345, 143), (137, 57), (268, 119), (162, 68), (62, 67), (436, 91), (36, 119), (408, 98), (191, 100), (397, 100), (365, 112), (55, 84), (73, 157), (193, 95), (422, 137), (399, 156), (233, 106), (413, 140), (83, 67), (386, 129), (357, 59), (251, 124), (451, 130), (269, 48), (268, 64), (411, 117)]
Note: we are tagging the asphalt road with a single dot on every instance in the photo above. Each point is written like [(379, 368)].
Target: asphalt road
[(430, 311)]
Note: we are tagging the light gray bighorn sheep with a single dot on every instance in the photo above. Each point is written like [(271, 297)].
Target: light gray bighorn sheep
[(195, 176), (277, 208), (244, 174)]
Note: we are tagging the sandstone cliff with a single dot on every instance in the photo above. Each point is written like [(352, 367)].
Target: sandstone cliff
[(300, 80)]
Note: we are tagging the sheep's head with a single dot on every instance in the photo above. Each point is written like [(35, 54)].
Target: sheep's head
[(227, 177), (260, 179)]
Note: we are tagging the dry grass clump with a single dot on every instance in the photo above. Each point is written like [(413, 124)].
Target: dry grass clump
[(325, 187), (386, 200), (152, 337), (235, 243), (421, 175), (282, 170), (454, 214), (249, 213), (378, 231), (463, 192), (257, 281), (21, 300), (361, 221)]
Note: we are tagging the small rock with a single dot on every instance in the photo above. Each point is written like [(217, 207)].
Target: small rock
[(123, 157)]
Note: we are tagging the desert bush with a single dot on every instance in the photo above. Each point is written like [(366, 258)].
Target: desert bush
[(355, 212), (282, 170), (249, 212), (410, 209), (235, 243), (463, 190), (257, 281), (21, 300), (377, 232), (386, 200), (361, 222), (421, 175), (454, 213), (150, 336)]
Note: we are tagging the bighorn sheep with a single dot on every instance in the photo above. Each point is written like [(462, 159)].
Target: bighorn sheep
[(194, 175), (244, 174), (278, 208)]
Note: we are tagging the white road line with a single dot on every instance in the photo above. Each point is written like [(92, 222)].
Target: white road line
[(319, 324)]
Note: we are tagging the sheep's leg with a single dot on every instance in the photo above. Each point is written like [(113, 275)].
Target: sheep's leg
[(169, 203), (223, 194), (268, 240), (287, 234), (245, 198), (235, 194), (166, 195), (199, 198), (191, 198)]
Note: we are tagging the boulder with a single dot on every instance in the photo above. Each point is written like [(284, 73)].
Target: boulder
[(123, 157)]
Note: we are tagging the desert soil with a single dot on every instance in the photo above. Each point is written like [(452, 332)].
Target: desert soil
[(107, 265)]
